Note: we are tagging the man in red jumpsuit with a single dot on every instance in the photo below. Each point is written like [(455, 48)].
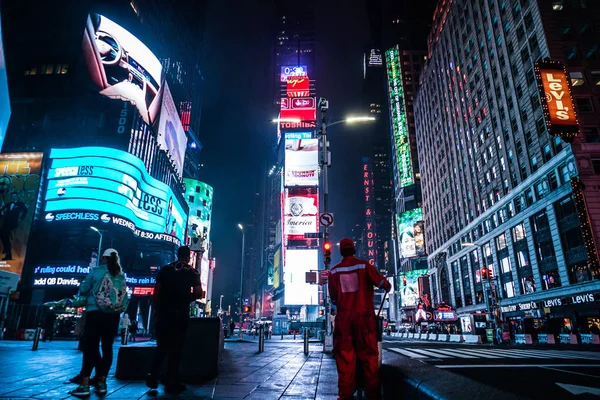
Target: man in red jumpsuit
[(351, 285)]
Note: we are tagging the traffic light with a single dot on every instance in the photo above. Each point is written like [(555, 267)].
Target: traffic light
[(327, 253), (321, 312), (485, 273), (246, 308), (404, 281)]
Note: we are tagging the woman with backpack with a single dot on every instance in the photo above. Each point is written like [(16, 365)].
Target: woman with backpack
[(107, 298)]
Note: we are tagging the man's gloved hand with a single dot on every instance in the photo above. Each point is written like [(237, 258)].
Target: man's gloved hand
[(387, 286)]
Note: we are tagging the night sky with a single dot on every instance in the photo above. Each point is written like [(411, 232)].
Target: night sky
[(235, 129)]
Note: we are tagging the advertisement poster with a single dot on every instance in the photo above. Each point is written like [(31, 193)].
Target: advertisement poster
[(298, 86), (301, 212), (409, 288), (297, 264), (19, 185), (277, 269), (410, 234), (104, 185), (200, 208), (301, 159), (171, 136), (121, 66), (204, 267), (288, 71)]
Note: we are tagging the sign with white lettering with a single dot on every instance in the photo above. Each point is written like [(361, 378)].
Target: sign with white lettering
[(583, 298), (557, 302)]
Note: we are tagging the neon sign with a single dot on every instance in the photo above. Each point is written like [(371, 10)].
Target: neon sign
[(400, 141), (143, 291), (288, 71), (369, 210), (298, 87)]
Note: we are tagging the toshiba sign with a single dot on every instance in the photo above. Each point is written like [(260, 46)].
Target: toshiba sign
[(555, 96)]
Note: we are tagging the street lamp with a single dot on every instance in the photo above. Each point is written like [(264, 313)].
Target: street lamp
[(242, 277), (99, 244), (488, 287), (221, 305)]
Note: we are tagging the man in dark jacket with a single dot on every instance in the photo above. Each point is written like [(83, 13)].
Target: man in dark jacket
[(12, 213)]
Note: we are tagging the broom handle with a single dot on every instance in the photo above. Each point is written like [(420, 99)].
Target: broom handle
[(381, 306)]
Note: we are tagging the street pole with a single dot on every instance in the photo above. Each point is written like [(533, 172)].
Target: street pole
[(221, 305), (242, 278), (99, 232)]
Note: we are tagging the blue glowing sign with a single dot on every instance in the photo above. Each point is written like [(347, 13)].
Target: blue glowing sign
[(112, 186)]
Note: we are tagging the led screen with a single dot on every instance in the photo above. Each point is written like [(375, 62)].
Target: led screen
[(287, 71), (301, 159), (301, 212), (111, 186), (121, 66), (302, 108), (204, 267), (400, 142), (298, 86), (409, 288), (171, 136), (297, 264), (200, 208), (19, 184), (4, 99), (410, 234)]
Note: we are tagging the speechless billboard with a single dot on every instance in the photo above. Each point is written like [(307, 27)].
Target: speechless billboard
[(301, 159), (121, 66), (111, 186)]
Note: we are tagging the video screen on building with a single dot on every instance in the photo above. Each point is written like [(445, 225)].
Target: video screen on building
[(297, 264), (108, 186), (19, 185), (301, 212), (171, 136), (289, 71), (411, 241), (199, 221), (302, 108), (409, 287), (121, 66), (301, 159)]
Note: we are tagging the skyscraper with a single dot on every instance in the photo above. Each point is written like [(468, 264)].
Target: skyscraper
[(505, 221)]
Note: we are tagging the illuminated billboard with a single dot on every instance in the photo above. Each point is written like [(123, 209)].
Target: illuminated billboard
[(302, 108), (204, 270), (301, 212), (411, 241), (4, 98), (291, 71), (199, 197), (276, 276), (19, 185), (301, 159), (409, 287), (297, 264), (298, 86), (400, 142), (171, 136), (121, 66), (556, 100), (369, 210), (99, 184)]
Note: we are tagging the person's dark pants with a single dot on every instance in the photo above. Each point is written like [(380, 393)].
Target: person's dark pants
[(99, 326), (171, 328), (133, 335), (6, 244)]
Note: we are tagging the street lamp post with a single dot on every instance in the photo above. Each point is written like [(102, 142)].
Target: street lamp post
[(99, 244), (221, 305), (242, 277)]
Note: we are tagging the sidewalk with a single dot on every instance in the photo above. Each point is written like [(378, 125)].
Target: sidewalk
[(281, 372)]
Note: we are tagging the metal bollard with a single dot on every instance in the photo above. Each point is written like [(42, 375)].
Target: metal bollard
[(281, 335), (36, 339), (306, 341), (261, 340)]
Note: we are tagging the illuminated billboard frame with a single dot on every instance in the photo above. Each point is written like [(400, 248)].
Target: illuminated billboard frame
[(111, 186), (297, 264), (301, 159), (555, 97), (400, 140), (411, 242), (409, 288), (19, 185)]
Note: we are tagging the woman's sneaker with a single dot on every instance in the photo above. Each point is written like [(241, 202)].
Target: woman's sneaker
[(101, 388), (81, 391)]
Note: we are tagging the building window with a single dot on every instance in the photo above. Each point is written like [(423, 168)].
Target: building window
[(596, 77), (544, 248), (557, 5), (464, 266), (577, 79), (592, 135), (501, 242), (518, 233), (456, 279), (576, 256), (570, 52), (584, 105)]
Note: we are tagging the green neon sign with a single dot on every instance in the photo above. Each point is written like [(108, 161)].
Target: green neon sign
[(402, 156)]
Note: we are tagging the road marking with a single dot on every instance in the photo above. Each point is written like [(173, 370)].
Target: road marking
[(482, 353), (571, 372), (431, 352), (576, 389), (517, 366), (408, 353), (453, 353)]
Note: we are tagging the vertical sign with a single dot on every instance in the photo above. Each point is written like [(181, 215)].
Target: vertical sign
[(555, 97), (19, 184), (400, 142), (369, 210)]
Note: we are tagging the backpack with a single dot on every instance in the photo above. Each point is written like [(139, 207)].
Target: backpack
[(112, 294)]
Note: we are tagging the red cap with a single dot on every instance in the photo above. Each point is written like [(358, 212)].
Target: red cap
[(346, 243)]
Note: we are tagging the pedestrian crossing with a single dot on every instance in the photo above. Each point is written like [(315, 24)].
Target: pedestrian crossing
[(470, 353)]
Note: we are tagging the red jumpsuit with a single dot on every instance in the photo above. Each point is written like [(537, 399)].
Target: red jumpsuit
[(351, 290)]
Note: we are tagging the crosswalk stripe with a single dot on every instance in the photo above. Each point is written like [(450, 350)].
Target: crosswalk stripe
[(591, 355), (453, 353), (431, 352), (561, 354), (482, 353), (408, 353), (506, 353)]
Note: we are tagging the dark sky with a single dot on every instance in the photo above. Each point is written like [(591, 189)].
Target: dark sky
[(235, 130)]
